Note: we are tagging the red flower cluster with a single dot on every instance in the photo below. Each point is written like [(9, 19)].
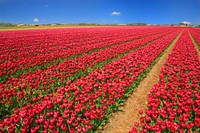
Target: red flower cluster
[(40, 83), (82, 106), (196, 34), (23, 50), (173, 103)]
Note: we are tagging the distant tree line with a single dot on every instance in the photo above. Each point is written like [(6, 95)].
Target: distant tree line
[(138, 24), (87, 24), (5, 24), (132, 24)]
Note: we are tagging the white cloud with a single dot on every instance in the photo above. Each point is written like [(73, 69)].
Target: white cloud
[(185, 22), (36, 20), (115, 13)]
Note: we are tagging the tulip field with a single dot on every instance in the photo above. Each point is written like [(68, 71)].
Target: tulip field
[(174, 102), (73, 80)]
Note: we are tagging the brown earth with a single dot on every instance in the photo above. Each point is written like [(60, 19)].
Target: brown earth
[(122, 122)]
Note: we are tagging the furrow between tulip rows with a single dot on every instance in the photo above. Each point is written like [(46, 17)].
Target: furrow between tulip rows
[(17, 92), (33, 56), (173, 103), (86, 104), (122, 121)]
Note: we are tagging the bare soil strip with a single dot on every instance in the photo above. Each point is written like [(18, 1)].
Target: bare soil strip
[(122, 122), (195, 44)]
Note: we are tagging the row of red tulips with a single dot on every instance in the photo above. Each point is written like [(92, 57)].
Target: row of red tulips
[(173, 103), (195, 29), (17, 92), (196, 34), (29, 52), (84, 105)]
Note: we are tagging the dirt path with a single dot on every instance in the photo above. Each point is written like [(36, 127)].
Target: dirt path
[(122, 122), (195, 44)]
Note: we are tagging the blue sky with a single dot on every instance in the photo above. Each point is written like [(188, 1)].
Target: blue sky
[(100, 11)]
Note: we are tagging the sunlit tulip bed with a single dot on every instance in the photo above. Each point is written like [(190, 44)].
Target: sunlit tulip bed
[(196, 34), (174, 102), (73, 80)]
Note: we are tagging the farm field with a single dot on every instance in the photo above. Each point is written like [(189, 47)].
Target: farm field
[(107, 79), (17, 28)]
